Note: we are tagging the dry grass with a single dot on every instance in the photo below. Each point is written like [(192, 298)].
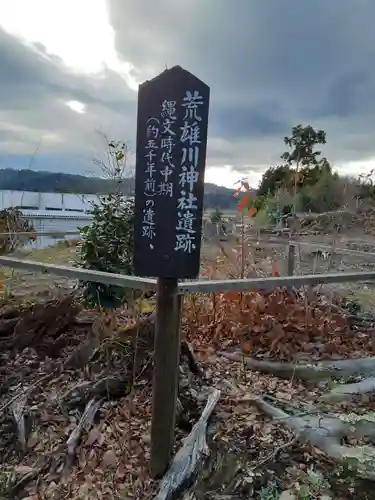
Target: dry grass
[(57, 254)]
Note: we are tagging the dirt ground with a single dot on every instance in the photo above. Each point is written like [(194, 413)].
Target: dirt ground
[(257, 439), (47, 451)]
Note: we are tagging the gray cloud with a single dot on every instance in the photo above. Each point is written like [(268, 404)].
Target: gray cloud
[(270, 65), (34, 89)]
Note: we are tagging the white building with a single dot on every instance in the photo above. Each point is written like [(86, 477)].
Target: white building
[(50, 212), (62, 203)]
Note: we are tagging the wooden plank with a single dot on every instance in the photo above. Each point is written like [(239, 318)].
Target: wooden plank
[(81, 274), (198, 286), (243, 285)]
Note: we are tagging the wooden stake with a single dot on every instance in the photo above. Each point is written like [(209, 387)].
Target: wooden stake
[(165, 380)]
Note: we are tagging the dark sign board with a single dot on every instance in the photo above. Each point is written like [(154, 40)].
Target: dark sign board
[(169, 178)]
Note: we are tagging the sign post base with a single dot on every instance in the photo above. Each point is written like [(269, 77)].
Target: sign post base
[(165, 379)]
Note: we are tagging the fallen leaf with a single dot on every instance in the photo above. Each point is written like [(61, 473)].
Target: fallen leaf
[(93, 436), (146, 438), (23, 469), (120, 472), (244, 202), (32, 441), (232, 296), (287, 495), (246, 347), (110, 459)]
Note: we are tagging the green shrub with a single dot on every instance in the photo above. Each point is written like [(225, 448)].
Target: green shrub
[(108, 245)]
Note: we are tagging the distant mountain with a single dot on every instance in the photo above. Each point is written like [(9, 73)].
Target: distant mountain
[(41, 181)]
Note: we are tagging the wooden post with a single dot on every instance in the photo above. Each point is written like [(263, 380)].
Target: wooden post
[(171, 149), (291, 259), (165, 381)]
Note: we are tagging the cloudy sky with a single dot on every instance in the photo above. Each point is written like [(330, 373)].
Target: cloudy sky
[(69, 71)]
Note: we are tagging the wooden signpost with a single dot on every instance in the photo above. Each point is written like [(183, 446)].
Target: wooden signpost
[(169, 187)]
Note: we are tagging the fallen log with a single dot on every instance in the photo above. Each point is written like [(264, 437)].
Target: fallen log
[(348, 392), (322, 370), (188, 459), (325, 433)]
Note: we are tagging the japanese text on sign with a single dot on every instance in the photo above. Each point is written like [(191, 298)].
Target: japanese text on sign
[(188, 175), (172, 121), (159, 162)]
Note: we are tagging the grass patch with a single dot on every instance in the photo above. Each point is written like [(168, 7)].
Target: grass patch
[(57, 254), (26, 283)]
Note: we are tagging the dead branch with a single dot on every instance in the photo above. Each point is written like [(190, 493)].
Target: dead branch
[(106, 387), (26, 392), (280, 448), (325, 433), (85, 423), (187, 350), (14, 486), (187, 460), (347, 392), (18, 410), (323, 370)]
